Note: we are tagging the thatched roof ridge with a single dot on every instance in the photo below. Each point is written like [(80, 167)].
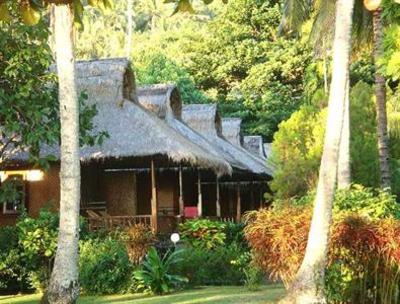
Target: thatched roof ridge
[(254, 144), (232, 130), (202, 118), (105, 79), (162, 99)]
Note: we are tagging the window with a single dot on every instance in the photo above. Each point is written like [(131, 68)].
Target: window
[(17, 192)]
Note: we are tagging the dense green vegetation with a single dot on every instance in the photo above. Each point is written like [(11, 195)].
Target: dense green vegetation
[(114, 262)]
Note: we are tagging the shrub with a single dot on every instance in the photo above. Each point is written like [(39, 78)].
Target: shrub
[(12, 275), (212, 267), (138, 240), (213, 252), (155, 275), (27, 251), (203, 233), (364, 254), (104, 266), (278, 240), (37, 244)]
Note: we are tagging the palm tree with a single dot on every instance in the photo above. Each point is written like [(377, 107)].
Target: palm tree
[(64, 286), (308, 284), (380, 93)]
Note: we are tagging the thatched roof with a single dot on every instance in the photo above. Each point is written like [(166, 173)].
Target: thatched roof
[(205, 119), (231, 129), (254, 144), (164, 100), (133, 130)]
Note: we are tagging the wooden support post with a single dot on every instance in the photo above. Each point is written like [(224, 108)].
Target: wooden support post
[(218, 203), (238, 204), (200, 196), (154, 216), (181, 203)]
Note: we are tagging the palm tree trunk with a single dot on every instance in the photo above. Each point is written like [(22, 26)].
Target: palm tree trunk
[(380, 95), (64, 286), (344, 168), (308, 285)]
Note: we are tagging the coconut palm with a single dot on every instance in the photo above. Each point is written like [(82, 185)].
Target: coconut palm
[(64, 286), (308, 284), (380, 92)]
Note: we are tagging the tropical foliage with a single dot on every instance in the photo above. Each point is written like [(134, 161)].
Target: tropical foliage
[(155, 275), (104, 266), (203, 233)]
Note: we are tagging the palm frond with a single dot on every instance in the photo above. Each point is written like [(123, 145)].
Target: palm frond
[(362, 25), (322, 31), (294, 14)]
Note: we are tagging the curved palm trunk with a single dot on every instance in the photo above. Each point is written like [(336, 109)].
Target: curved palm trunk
[(380, 94), (308, 284), (344, 168), (64, 287)]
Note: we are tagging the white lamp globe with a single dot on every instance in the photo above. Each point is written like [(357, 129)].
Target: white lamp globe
[(175, 238)]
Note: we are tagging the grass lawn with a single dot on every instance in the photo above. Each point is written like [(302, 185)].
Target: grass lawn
[(208, 295)]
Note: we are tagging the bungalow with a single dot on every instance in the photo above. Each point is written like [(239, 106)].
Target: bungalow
[(157, 161)]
